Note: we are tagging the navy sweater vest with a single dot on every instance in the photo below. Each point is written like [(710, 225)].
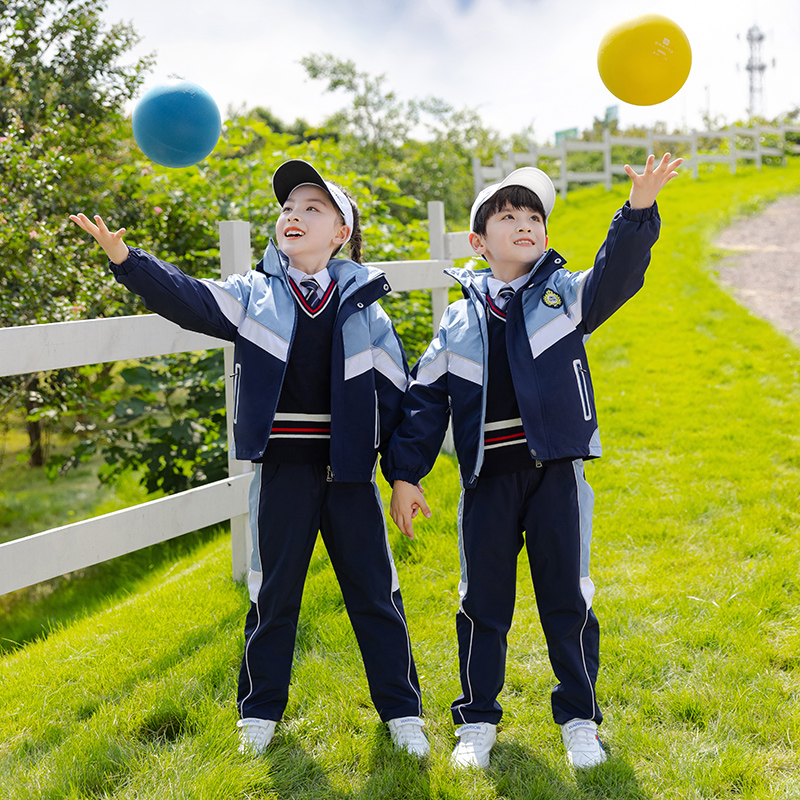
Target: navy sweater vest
[(505, 446), (301, 431)]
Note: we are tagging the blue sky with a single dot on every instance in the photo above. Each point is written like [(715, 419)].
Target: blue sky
[(521, 63)]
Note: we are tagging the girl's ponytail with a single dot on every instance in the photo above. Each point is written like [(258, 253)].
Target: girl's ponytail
[(355, 236), (356, 240)]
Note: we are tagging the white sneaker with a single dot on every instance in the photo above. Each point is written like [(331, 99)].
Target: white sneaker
[(255, 734), (406, 733), (475, 742), (583, 745)]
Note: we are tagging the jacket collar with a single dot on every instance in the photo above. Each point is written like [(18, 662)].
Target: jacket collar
[(349, 276), (476, 281)]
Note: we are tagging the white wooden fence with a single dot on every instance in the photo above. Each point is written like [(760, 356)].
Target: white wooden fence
[(37, 348), (735, 144)]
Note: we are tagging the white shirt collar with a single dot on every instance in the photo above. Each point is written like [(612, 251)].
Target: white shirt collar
[(323, 277), (494, 285)]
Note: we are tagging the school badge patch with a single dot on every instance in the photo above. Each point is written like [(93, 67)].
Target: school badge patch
[(552, 299)]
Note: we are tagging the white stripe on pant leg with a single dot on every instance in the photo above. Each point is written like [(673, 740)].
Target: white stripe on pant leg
[(585, 497), (463, 585), (586, 511), (254, 576), (396, 587)]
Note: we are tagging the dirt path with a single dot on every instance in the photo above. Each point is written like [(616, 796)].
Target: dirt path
[(763, 265)]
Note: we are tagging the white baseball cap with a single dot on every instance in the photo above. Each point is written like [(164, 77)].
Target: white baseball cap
[(296, 172), (529, 177)]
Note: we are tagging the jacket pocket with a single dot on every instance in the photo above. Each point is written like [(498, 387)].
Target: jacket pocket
[(583, 388), (237, 382)]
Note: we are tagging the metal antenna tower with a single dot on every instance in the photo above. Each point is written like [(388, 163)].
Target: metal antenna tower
[(756, 67)]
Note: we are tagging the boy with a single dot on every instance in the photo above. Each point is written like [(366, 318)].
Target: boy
[(509, 364)]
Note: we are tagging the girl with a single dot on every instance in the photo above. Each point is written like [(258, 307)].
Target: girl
[(319, 378)]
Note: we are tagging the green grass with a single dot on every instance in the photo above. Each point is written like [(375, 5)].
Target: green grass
[(695, 558)]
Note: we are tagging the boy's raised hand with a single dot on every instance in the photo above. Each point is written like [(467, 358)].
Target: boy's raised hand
[(116, 249), (646, 186), (407, 500)]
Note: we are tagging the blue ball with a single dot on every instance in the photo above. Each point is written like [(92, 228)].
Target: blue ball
[(176, 124)]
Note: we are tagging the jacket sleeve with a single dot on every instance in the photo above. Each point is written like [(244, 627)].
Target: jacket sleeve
[(216, 308), (390, 369), (416, 443), (620, 264)]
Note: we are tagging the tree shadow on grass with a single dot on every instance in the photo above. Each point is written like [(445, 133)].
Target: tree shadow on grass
[(294, 773), (392, 773), (614, 780), (520, 775)]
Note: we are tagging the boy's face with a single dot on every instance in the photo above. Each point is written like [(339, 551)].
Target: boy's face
[(515, 238), (309, 226)]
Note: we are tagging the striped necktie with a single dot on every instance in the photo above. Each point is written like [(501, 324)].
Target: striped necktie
[(311, 289), (505, 294)]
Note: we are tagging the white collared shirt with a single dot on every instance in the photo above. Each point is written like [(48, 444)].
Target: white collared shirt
[(323, 278), (494, 285)]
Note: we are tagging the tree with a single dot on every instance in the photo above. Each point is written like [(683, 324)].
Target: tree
[(62, 90), (376, 119), (57, 53), (376, 130)]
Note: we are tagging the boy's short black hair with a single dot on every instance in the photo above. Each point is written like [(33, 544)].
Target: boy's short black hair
[(517, 197)]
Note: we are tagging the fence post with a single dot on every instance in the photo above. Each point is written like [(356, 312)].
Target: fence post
[(533, 153), (759, 147), (235, 256), (563, 182), (782, 142), (436, 245), (607, 158), (478, 181), (439, 297), (732, 141)]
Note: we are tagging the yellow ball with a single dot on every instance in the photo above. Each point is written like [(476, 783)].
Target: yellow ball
[(644, 60)]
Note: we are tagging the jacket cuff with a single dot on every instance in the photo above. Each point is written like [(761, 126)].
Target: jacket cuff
[(403, 475), (133, 260), (640, 214)]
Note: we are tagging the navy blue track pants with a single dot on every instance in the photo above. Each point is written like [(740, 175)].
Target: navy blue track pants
[(552, 505), (289, 505)]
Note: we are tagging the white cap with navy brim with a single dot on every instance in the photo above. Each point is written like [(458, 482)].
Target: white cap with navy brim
[(530, 178), (296, 172)]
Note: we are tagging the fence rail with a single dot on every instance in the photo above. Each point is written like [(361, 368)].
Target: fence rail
[(36, 348), (766, 142)]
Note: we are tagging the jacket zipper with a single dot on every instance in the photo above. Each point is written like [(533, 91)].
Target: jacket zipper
[(237, 382), (338, 327), (377, 422), (583, 389)]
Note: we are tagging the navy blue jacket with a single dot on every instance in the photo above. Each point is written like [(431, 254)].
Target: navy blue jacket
[(258, 313), (548, 322)]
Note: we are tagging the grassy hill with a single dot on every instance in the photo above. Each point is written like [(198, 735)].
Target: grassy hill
[(695, 557)]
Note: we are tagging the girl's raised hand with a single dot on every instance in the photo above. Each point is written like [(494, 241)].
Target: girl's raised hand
[(646, 186), (116, 249)]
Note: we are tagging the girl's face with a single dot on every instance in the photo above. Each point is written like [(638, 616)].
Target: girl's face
[(310, 228)]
